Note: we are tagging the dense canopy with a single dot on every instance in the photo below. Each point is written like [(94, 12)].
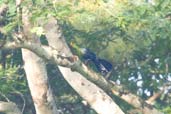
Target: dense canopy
[(132, 37)]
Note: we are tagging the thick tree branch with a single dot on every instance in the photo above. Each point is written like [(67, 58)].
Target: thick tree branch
[(53, 56), (53, 34), (47, 53), (94, 95), (35, 66)]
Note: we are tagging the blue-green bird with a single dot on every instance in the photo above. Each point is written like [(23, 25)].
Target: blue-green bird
[(102, 65)]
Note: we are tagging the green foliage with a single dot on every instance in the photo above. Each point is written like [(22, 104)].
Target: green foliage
[(132, 39), (12, 83), (11, 77), (167, 110), (9, 27), (133, 34), (38, 31)]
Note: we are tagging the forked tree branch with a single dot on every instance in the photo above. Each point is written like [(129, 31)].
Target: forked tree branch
[(53, 56)]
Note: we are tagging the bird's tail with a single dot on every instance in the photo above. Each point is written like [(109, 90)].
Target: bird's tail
[(103, 66)]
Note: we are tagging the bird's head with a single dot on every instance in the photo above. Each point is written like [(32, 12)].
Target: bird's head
[(83, 50), (76, 48), (73, 45)]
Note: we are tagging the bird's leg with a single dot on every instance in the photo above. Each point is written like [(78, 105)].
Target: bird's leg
[(108, 75), (87, 61)]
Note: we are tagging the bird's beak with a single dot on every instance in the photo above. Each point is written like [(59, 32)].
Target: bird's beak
[(71, 43)]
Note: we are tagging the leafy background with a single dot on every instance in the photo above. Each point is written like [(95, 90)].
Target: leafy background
[(134, 35)]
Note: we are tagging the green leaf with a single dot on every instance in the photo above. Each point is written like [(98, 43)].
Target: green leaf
[(9, 27), (38, 31)]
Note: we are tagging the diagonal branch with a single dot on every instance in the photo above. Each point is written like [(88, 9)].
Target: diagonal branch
[(47, 53), (158, 94), (53, 56)]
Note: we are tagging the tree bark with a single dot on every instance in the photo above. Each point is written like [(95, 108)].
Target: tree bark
[(36, 73), (95, 96), (48, 54), (54, 35)]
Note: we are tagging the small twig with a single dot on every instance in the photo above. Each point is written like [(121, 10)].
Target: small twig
[(158, 94), (18, 37), (24, 101), (6, 98)]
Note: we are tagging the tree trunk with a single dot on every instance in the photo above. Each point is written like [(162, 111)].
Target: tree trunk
[(36, 73), (57, 41), (95, 96)]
